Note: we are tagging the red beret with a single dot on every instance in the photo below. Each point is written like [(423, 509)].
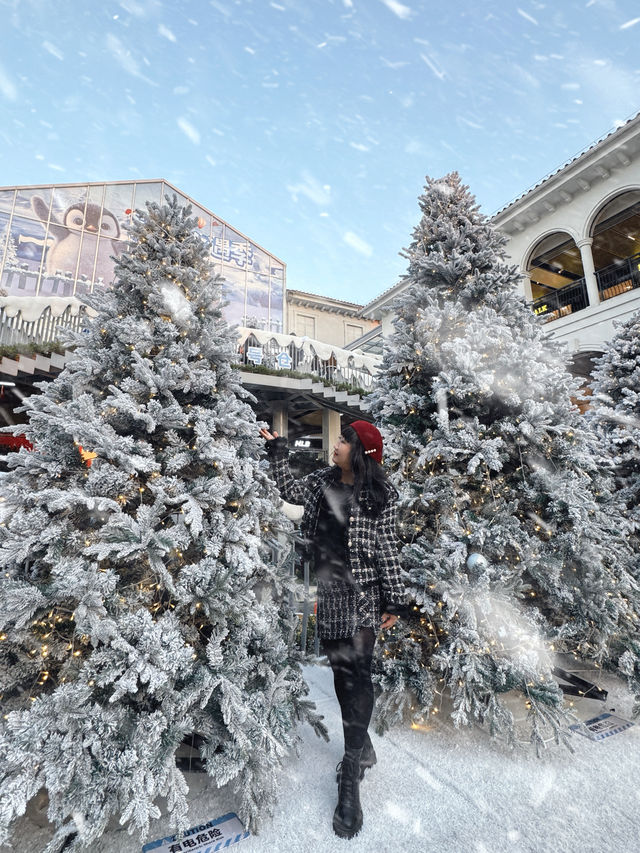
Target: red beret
[(370, 438)]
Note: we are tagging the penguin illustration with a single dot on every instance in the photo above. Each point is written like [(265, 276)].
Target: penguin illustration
[(95, 222)]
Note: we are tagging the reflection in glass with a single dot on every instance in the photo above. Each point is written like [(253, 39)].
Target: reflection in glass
[(4, 236), (258, 260), (67, 207), (257, 314), (23, 257), (104, 271), (62, 244), (234, 248), (203, 220), (6, 200), (275, 305), (28, 207), (95, 194), (118, 199), (86, 263), (233, 292), (217, 239), (145, 193)]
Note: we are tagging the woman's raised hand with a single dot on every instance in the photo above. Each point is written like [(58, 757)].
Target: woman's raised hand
[(268, 436), (388, 621)]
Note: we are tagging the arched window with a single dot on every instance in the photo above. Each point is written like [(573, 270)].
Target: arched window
[(616, 244), (557, 276)]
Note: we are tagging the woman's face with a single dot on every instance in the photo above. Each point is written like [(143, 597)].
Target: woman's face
[(342, 453)]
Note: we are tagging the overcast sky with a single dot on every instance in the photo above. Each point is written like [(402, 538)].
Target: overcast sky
[(310, 124)]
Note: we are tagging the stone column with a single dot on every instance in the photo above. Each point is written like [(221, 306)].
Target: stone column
[(280, 419), (330, 431), (526, 283), (589, 270)]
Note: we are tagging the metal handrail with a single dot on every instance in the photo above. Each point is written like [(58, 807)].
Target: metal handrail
[(559, 303), (276, 356), (619, 277)]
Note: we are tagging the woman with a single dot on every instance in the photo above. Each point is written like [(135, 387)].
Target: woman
[(349, 519)]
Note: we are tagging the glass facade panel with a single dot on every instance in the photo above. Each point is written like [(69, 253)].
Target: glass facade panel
[(217, 239), (33, 203), (67, 208), (6, 200), (118, 199), (86, 263), (233, 292), (234, 248), (23, 257), (145, 193), (276, 305), (95, 194), (60, 241), (257, 314), (4, 234), (258, 260)]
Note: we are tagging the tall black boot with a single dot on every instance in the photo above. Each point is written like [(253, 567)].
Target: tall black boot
[(367, 759), (347, 818)]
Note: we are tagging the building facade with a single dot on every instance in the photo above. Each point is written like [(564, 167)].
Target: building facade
[(322, 318), (575, 237), (58, 241)]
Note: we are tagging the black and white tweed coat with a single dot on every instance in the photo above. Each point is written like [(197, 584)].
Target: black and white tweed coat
[(371, 545)]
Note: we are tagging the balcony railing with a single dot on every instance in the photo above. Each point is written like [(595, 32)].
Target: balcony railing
[(618, 278), (304, 355), (560, 303), (39, 319)]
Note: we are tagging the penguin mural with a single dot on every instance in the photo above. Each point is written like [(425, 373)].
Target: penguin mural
[(80, 224)]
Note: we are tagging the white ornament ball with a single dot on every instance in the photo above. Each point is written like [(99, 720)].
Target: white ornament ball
[(477, 562)]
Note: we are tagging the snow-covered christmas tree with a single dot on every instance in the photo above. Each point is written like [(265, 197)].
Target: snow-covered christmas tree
[(511, 552), (8, 251), (616, 412), (140, 601)]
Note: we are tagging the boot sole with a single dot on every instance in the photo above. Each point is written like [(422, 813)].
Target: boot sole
[(342, 831)]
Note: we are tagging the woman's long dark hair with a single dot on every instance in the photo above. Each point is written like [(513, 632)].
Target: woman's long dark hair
[(368, 475)]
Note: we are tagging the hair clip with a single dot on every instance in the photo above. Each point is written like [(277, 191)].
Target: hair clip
[(373, 450)]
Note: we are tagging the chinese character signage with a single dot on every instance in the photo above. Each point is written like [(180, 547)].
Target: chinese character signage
[(62, 240), (206, 838), (603, 726)]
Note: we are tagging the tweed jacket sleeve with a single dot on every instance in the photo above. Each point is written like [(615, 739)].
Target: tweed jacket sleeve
[(295, 491), (394, 593)]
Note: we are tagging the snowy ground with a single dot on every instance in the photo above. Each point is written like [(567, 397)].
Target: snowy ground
[(440, 790)]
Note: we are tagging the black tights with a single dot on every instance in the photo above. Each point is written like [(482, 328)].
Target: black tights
[(350, 660)]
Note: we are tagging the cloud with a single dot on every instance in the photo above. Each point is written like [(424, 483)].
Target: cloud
[(357, 243), (398, 9), (630, 23), (359, 146), (399, 64), (439, 74), (312, 189), (53, 50), (7, 88), (125, 60), (527, 17), (166, 32), (189, 130)]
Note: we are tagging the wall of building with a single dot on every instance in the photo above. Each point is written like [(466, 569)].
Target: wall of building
[(592, 327), (323, 319)]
